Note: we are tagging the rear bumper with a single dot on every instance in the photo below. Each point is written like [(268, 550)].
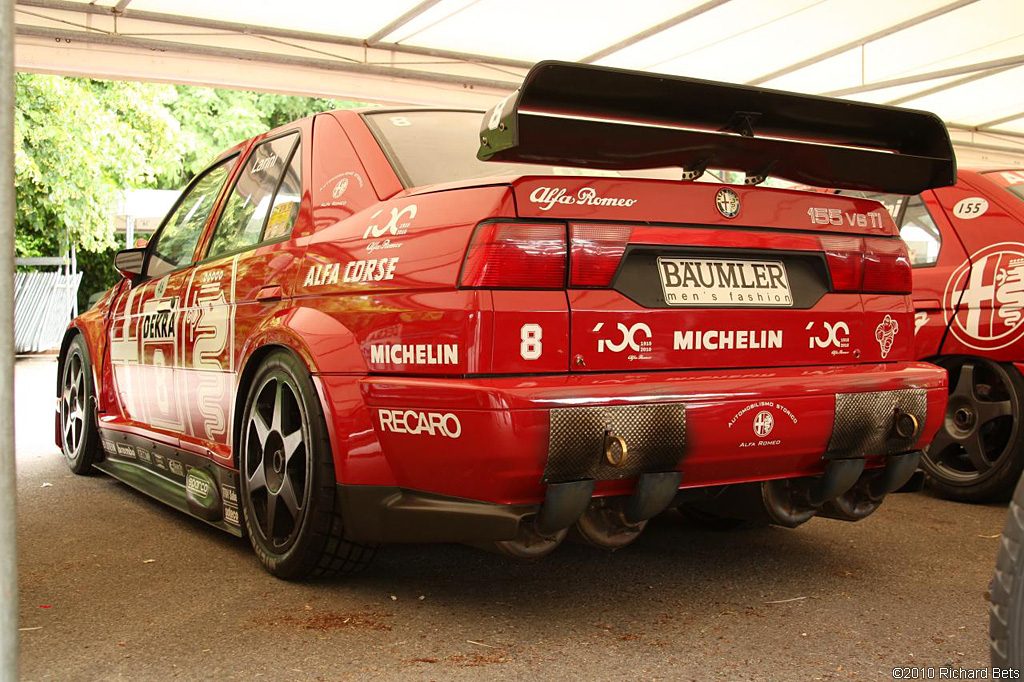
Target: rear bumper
[(490, 439)]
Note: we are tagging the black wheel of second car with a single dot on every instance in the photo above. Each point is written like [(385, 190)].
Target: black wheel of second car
[(287, 476), (978, 454)]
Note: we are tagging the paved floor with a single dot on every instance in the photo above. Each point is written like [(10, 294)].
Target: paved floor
[(114, 586)]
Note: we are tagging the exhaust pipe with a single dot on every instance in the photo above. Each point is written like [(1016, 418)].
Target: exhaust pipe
[(613, 522), (861, 500), (782, 502)]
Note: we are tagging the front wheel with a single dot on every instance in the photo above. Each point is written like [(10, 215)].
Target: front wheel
[(287, 477), (978, 454)]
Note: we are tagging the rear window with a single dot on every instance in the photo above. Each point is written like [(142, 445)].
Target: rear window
[(1012, 181), (426, 147)]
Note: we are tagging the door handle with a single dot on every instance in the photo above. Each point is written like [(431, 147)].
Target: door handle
[(271, 292)]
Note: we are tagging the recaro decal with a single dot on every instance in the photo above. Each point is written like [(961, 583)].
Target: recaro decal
[(414, 423), (990, 289)]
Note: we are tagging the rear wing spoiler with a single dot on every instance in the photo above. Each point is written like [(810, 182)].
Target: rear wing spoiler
[(567, 114)]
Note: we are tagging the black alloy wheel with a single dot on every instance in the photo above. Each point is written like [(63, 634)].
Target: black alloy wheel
[(79, 438), (277, 462), (978, 454), (289, 492)]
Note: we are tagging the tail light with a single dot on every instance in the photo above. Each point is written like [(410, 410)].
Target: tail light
[(516, 256), (870, 265), (887, 266), (596, 252), (845, 256)]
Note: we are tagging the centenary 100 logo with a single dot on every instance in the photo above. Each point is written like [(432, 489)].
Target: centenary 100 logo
[(989, 288)]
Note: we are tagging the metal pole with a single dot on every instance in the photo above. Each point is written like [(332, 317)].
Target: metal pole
[(8, 548)]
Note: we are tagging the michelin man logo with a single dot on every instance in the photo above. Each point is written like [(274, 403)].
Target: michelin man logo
[(885, 334)]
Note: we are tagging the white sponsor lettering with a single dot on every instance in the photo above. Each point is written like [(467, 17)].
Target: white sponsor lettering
[(415, 423), (835, 335), (320, 275), (714, 339), (885, 334), (764, 422), (414, 354), (231, 515), (264, 164), (373, 270), (547, 197), (197, 485), (397, 223), (125, 450), (970, 208)]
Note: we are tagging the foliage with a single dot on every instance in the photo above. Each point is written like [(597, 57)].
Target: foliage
[(80, 141)]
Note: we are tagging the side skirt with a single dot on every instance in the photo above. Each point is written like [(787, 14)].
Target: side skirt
[(180, 479)]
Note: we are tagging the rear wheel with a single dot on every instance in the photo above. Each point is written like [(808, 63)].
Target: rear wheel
[(79, 437), (287, 477), (978, 454)]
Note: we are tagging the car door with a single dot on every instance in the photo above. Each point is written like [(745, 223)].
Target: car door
[(985, 291), (145, 328), (246, 271)]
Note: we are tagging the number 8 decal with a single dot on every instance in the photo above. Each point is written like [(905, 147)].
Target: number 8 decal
[(530, 336)]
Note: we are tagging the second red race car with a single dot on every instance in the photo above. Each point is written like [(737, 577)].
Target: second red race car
[(417, 325), (967, 246)]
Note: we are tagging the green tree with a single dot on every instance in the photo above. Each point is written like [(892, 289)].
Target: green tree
[(79, 141)]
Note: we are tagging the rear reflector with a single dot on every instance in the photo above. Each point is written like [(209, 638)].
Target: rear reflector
[(871, 265), (595, 253), (516, 256)]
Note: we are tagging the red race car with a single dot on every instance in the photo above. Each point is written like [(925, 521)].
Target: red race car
[(967, 247), (425, 325)]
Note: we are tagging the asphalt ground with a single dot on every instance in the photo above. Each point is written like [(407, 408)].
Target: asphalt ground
[(115, 586)]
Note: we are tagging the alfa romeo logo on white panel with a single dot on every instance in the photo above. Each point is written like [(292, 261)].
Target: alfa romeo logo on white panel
[(990, 292)]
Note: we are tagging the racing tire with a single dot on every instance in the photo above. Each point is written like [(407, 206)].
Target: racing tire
[(286, 470), (79, 435), (978, 454), (1006, 607)]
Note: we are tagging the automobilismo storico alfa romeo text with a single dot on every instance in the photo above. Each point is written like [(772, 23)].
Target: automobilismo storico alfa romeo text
[(416, 325)]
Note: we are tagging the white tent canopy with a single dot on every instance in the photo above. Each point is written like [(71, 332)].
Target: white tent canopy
[(963, 59)]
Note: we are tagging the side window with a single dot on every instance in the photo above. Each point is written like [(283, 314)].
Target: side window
[(265, 199), (920, 233), (176, 242)]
